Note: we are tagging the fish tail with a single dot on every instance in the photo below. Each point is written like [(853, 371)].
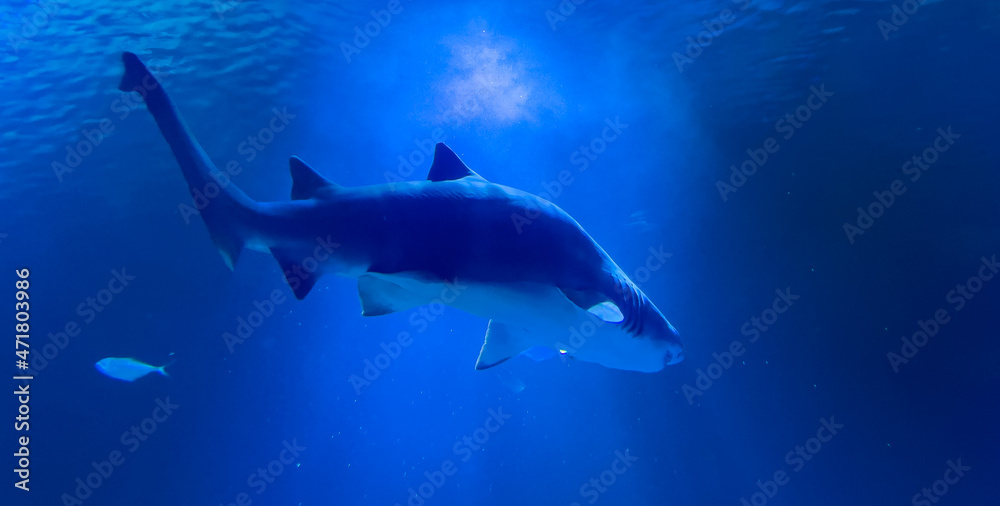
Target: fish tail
[(227, 211), (163, 368)]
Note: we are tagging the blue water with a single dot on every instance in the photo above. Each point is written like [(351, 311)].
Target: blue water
[(527, 93)]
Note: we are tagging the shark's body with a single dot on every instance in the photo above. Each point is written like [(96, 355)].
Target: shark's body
[(455, 239)]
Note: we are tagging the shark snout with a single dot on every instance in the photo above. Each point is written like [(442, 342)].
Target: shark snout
[(675, 347), (674, 355)]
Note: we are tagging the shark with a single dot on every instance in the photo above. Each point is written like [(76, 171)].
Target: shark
[(457, 239)]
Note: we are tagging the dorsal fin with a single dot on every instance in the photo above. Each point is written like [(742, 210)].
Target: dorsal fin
[(448, 166), (306, 182)]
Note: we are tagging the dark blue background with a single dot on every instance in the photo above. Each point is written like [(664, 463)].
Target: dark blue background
[(530, 96)]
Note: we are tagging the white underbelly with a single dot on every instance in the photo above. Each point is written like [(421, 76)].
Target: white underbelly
[(543, 312), (530, 306)]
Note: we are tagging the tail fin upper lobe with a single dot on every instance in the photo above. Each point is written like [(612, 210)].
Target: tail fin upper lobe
[(135, 73), (226, 210)]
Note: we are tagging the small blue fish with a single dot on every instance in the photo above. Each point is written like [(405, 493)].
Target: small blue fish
[(128, 369)]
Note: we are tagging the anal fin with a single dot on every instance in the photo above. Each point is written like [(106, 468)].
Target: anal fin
[(290, 266)]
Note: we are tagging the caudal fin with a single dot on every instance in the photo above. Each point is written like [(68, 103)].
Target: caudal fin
[(163, 368), (226, 210), (135, 73)]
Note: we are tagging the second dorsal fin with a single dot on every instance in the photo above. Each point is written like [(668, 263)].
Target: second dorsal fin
[(306, 182)]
